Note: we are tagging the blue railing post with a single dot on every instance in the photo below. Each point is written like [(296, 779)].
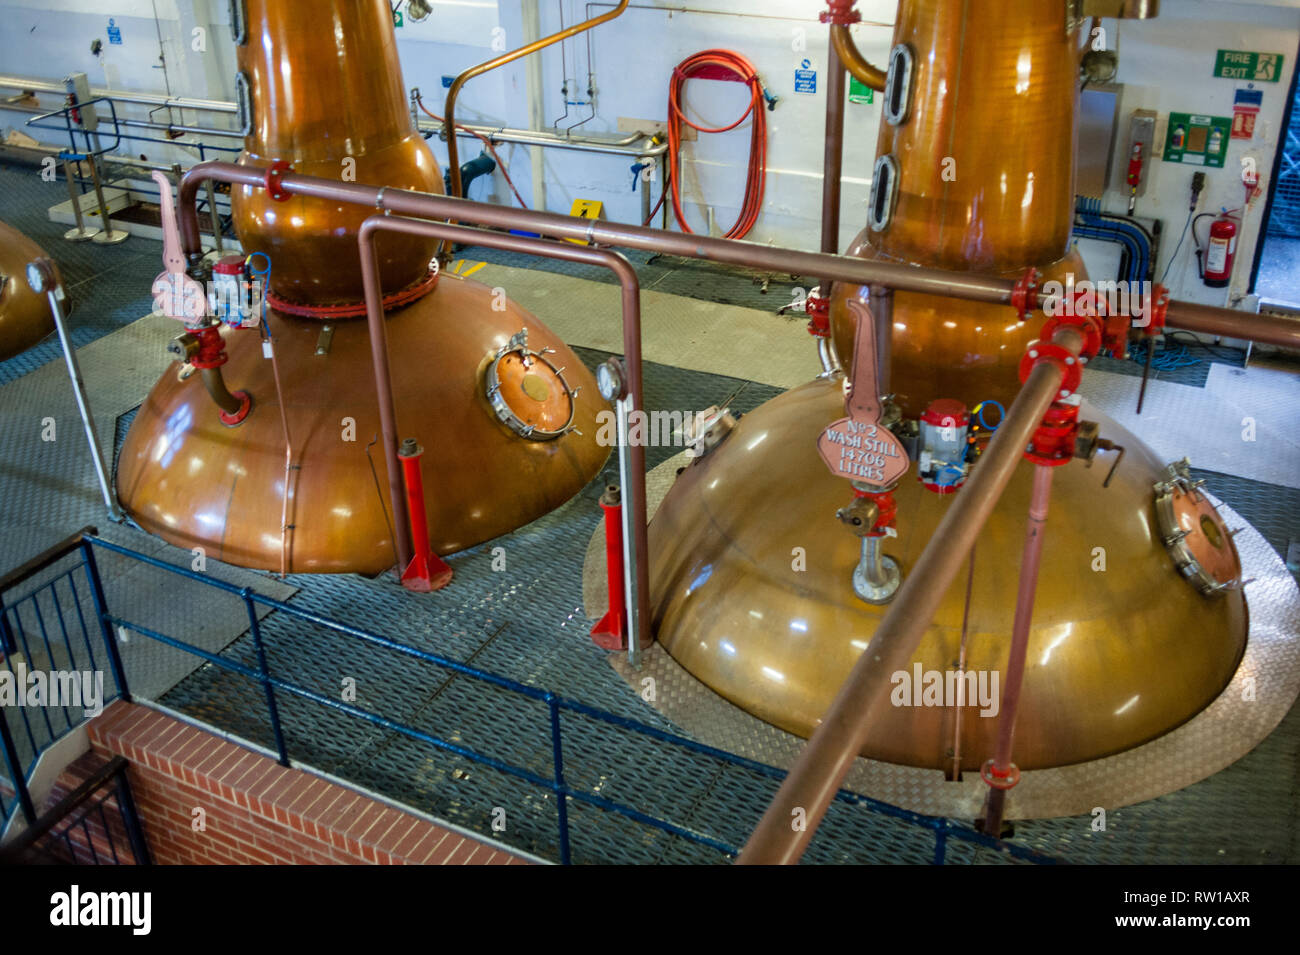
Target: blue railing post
[(101, 611), (941, 841), (131, 820), (16, 773), (7, 641), (561, 795), (265, 676)]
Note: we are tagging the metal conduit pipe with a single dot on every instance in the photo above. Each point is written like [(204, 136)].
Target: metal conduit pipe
[(449, 110), (633, 144), (827, 757), (634, 497), (1267, 329), (28, 85)]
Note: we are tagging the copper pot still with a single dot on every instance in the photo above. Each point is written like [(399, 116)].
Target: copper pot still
[(325, 92), (25, 317), (978, 175), (979, 163)]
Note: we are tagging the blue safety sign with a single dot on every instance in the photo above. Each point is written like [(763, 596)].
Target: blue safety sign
[(805, 78), (114, 33)]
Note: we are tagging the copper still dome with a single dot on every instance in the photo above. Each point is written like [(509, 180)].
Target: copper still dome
[(25, 316), (980, 179), (325, 93)]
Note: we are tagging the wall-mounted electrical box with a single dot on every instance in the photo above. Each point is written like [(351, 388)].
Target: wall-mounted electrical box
[(1098, 120), (1132, 174), (78, 87)]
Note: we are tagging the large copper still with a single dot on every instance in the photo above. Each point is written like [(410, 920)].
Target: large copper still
[(24, 315), (750, 568), (982, 180), (326, 97)]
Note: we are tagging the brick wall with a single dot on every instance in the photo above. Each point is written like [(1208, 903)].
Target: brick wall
[(253, 809)]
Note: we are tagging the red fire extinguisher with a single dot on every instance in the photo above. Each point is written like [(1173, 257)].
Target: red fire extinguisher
[(1217, 256)]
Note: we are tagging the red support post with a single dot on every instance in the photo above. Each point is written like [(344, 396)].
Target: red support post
[(610, 631), (426, 571)]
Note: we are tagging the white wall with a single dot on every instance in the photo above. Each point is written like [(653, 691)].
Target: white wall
[(1165, 64)]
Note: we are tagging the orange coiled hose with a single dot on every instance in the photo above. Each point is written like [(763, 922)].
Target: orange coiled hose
[(757, 173)]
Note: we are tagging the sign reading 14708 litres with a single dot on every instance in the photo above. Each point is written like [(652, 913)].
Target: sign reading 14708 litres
[(1241, 65)]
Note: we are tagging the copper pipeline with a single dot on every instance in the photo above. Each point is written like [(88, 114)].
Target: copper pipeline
[(634, 497), (1265, 329), (217, 390), (449, 110), (827, 757), (852, 59), (833, 159)]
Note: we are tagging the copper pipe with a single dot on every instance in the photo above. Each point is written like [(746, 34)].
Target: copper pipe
[(827, 757), (1015, 675), (1267, 329), (954, 759), (882, 307), (634, 495), (832, 163), (851, 57), (1228, 323), (594, 232), (288, 459), (220, 394), (449, 111)]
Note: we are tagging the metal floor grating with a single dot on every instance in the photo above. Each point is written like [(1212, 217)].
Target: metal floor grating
[(526, 624), (108, 284)]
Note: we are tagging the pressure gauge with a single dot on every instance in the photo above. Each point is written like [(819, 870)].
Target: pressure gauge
[(609, 379), (40, 275)]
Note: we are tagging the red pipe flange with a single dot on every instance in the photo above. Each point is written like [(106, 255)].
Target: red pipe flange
[(273, 186), (245, 406), (1024, 297), (1071, 367), (1000, 780), (1089, 326), (841, 13), (1159, 306)]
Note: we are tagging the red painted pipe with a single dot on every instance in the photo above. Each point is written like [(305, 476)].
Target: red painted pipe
[(610, 631), (426, 571), (999, 772)]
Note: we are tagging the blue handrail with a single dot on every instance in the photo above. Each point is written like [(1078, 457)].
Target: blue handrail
[(944, 830)]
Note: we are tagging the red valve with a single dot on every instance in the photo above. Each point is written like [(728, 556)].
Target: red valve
[(211, 352), (886, 510), (1053, 443), (819, 315)]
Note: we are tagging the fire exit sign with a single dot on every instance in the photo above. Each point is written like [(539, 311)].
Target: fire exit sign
[(1241, 65)]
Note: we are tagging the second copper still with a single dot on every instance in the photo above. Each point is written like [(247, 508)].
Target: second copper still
[(752, 566)]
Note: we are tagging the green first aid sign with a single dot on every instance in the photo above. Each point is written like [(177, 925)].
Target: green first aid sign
[(1255, 67)]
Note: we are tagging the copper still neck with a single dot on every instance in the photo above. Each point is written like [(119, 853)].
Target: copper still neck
[(984, 156), (324, 89)]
